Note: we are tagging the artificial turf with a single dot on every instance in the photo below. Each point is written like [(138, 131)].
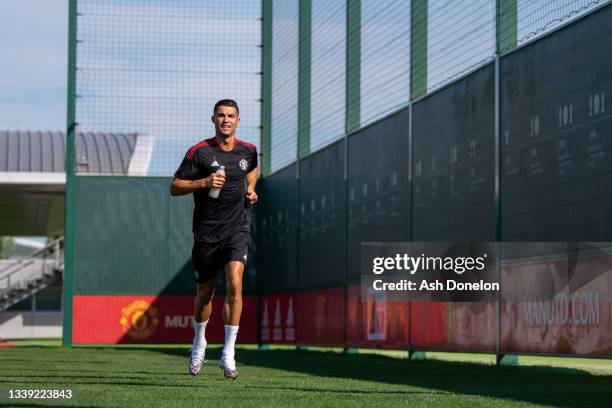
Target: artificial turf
[(154, 376)]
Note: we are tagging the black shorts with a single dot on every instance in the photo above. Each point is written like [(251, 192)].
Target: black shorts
[(209, 257)]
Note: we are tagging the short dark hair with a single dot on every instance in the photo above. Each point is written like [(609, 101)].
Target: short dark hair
[(226, 102)]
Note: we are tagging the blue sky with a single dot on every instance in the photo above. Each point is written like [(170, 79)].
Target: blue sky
[(33, 40), (155, 67)]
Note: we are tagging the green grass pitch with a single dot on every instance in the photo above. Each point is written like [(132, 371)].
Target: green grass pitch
[(153, 376)]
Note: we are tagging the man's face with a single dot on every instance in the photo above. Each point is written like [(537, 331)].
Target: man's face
[(226, 120)]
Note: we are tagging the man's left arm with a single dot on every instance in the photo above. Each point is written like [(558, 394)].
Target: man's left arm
[(251, 179)]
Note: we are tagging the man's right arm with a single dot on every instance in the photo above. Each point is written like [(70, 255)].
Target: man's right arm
[(182, 187)]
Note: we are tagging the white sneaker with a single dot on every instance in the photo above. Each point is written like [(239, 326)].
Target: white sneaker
[(229, 369), (196, 360)]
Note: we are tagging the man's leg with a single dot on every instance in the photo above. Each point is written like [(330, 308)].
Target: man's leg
[(202, 310), (203, 302), (232, 309)]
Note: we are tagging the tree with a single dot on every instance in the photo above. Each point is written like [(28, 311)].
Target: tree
[(7, 246)]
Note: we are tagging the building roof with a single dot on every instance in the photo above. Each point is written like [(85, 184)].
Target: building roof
[(97, 153)]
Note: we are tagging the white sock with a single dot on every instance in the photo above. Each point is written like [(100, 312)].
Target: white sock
[(199, 341), (228, 347)]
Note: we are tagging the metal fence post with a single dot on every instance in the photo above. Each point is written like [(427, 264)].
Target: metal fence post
[(70, 150)]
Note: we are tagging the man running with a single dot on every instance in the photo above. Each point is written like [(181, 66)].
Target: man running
[(220, 225)]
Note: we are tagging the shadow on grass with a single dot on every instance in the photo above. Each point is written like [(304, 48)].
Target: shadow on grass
[(556, 386)]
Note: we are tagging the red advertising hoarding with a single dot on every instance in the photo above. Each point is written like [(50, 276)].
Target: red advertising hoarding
[(151, 319), (321, 317), (453, 326), (278, 320), (577, 320), (376, 323)]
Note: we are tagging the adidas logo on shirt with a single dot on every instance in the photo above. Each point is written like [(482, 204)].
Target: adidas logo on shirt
[(214, 164)]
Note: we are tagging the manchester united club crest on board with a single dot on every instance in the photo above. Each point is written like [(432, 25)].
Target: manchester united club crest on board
[(139, 319)]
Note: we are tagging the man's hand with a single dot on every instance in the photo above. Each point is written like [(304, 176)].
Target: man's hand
[(214, 180), (251, 196)]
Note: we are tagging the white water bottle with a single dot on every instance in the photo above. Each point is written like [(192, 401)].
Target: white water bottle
[(214, 191)]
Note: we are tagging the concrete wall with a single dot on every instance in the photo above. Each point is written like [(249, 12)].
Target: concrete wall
[(19, 324)]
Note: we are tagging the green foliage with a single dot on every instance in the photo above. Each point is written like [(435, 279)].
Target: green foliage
[(7, 246)]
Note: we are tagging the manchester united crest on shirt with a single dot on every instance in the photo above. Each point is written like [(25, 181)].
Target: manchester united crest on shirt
[(243, 164)]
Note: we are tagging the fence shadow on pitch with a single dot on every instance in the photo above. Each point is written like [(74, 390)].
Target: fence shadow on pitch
[(555, 386)]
